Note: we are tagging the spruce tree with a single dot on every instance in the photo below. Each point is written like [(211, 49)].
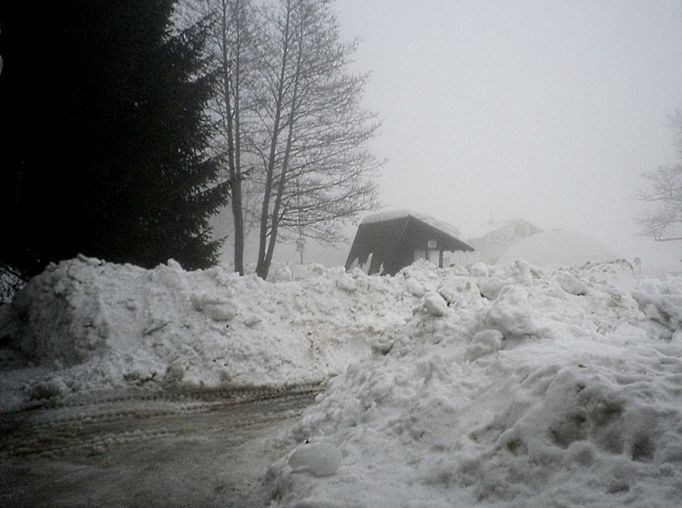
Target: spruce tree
[(102, 148)]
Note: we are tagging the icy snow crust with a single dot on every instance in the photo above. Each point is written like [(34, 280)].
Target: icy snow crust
[(536, 387), (506, 385)]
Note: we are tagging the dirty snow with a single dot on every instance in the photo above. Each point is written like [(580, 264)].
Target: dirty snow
[(506, 385)]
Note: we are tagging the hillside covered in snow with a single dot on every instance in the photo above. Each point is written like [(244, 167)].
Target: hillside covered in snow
[(509, 385)]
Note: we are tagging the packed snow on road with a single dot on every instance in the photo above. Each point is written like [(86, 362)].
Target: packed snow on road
[(506, 385)]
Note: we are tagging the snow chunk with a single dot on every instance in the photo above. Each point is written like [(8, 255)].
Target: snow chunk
[(318, 459), (435, 304), (484, 342), (478, 270), (661, 301), (215, 307), (346, 283), (511, 314), (174, 372), (283, 274), (414, 287), (570, 283), (490, 288)]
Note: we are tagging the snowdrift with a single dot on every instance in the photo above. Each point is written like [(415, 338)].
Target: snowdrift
[(86, 325), (532, 388), (506, 385)]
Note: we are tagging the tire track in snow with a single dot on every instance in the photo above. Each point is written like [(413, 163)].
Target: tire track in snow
[(94, 424), (173, 394)]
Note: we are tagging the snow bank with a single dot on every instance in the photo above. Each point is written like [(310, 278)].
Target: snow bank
[(506, 385), (551, 387), (85, 324)]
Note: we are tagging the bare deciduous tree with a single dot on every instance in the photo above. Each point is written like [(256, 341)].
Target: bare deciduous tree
[(663, 222), (314, 133), (234, 49), (290, 119), (663, 191)]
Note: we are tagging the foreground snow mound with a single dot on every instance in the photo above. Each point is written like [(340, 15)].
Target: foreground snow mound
[(85, 324), (553, 387)]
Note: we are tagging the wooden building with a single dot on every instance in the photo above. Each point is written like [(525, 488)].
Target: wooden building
[(389, 241)]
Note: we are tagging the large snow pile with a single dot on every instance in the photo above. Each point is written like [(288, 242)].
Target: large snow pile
[(85, 324), (558, 247), (510, 386), (506, 385)]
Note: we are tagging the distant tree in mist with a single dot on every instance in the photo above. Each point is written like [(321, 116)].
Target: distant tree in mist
[(663, 192), (292, 132), (233, 48), (104, 135)]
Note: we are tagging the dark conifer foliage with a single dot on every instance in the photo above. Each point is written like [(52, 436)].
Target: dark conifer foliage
[(103, 135)]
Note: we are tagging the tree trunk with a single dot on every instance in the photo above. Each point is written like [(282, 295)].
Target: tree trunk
[(287, 153), (232, 157), (263, 266)]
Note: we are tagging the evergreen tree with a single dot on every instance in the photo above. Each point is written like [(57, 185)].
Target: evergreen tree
[(102, 148)]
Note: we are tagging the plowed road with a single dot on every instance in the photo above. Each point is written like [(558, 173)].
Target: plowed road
[(191, 448)]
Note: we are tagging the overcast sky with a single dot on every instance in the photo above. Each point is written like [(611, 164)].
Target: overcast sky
[(548, 109)]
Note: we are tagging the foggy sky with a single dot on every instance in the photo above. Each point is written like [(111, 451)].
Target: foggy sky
[(547, 110)]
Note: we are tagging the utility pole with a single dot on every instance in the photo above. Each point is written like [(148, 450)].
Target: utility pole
[(300, 241)]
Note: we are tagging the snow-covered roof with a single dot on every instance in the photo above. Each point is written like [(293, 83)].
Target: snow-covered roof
[(385, 216), (400, 214), (559, 247), (481, 230)]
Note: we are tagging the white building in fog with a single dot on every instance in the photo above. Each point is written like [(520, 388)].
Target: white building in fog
[(493, 239)]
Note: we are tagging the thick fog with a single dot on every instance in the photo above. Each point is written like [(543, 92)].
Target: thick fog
[(549, 111)]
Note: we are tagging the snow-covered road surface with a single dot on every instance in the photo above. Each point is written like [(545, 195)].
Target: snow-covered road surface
[(183, 448)]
